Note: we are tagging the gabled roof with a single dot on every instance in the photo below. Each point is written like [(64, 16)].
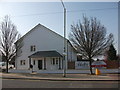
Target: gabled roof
[(47, 29), (38, 25), (45, 54)]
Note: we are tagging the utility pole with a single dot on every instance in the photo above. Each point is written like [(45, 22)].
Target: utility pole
[(64, 54)]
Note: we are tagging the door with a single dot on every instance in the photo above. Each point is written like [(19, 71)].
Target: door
[(34, 65), (39, 64)]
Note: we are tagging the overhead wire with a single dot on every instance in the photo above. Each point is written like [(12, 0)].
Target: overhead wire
[(69, 11)]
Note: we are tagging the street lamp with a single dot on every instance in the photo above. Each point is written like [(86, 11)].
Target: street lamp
[(64, 54)]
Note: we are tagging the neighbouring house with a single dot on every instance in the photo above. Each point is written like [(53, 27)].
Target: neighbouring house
[(112, 64), (43, 49)]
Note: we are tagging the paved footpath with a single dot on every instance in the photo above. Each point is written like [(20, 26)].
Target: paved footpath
[(59, 77)]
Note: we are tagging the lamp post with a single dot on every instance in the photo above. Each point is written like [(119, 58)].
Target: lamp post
[(64, 54)]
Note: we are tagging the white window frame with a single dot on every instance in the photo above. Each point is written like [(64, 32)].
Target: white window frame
[(22, 62), (32, 48), (55, 61)]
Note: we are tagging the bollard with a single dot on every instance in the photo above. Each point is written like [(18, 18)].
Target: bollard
[(97, 72)]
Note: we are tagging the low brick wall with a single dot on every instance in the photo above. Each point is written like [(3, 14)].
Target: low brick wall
[(112, 64), (71, 65)]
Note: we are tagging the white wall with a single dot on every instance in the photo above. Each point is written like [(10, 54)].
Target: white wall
[(44, 40), (82, 65)]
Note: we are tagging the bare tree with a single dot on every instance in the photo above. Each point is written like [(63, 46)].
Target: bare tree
[(90, 38), (8, 36)]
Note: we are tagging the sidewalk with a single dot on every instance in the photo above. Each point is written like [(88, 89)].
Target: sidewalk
[(59, 77)]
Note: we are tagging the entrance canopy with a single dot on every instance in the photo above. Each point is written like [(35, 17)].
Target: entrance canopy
[(45, 54)]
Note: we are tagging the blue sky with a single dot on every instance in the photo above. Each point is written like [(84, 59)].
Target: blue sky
[(50, 14)]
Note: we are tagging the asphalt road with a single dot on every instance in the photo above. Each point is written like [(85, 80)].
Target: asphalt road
[(12, 83)]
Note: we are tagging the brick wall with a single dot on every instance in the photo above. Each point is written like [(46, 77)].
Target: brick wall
[(71, 65), (113, 64)]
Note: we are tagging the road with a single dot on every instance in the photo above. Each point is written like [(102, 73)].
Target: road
[(12, 83)]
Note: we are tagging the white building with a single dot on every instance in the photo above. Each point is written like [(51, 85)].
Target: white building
[(43, 49)]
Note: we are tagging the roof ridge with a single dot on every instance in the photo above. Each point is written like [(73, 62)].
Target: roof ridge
[(34, 29)]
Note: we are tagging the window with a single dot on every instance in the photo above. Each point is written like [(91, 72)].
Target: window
[(32, 48), (22, 62), (54, 61)]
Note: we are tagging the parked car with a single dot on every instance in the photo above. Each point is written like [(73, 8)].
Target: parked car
[(3, 65)]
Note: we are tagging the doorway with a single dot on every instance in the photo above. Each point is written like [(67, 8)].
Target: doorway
[(39, 64)]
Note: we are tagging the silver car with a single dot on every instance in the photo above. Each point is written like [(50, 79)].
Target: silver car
[(3, 65)]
